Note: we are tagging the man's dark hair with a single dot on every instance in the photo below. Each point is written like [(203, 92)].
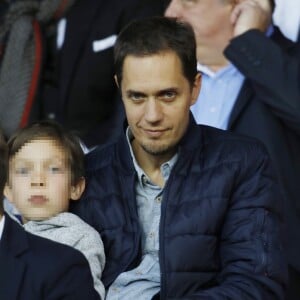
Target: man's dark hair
[(3, 168), (51, 130), (155, 35), (272, 2)]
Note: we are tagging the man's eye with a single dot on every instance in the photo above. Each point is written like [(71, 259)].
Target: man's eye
[(137, 97), (168, 96)]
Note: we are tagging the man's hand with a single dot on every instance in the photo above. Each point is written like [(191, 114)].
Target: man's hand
[(251, 14)]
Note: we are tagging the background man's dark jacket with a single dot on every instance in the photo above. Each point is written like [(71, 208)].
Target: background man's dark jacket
[(268, 108)]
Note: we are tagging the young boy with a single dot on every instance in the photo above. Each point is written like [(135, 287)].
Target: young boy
[(46, 170)]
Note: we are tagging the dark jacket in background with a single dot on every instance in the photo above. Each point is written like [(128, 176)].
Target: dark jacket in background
[(268, 108), (77, 85)]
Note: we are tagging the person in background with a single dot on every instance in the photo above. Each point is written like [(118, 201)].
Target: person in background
[(250, 85), (56, 63), (185, 211), (36, 268), (46, 172)]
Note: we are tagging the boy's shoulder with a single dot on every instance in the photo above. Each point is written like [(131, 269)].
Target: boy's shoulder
[(46, 267), (66, 228), (38, 249)]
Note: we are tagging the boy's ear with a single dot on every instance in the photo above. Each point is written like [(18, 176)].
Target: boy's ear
[(77, 189), (7, 192)]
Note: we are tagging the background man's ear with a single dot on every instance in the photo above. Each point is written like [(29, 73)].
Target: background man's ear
[(77, 189)]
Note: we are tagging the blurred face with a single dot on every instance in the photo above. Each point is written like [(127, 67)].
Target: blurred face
[(40, 180), (157, 99), (210, 20)]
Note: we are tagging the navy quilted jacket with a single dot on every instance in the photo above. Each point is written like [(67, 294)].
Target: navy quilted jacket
[(220, 229)]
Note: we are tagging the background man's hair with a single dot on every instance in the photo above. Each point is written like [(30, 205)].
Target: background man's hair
[(61, 136), (3, 168), (155, 35)]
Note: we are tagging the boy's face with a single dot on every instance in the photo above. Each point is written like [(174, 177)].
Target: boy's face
[(40, 180)]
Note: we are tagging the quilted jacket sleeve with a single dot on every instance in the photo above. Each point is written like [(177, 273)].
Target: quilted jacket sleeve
[(253, 264)]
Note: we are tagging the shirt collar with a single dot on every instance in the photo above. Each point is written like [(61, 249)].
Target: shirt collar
[(142, 176), (270, 30), (230, 68), (1, 226)]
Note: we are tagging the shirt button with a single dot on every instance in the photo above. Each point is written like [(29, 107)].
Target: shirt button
[(158, 199), (151, 234), (144, 180)]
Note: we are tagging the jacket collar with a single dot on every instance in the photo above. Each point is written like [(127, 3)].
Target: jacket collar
[(281, 40), (193, 139)]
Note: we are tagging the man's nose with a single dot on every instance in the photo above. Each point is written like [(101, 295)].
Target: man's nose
[(153, 111), (173, 9)]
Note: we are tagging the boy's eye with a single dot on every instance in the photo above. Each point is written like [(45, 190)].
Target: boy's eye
[(55, 169), (188, 2), (22, 171)]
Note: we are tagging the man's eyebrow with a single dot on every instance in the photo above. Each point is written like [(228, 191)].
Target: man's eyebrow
[(162, 92), (135, 93), (168, 90)]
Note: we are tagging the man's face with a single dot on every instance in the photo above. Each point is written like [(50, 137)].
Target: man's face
[(40, 180), (210, 19), (157, 99)]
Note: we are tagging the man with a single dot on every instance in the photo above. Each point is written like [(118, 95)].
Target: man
[(57, 63), (185, 211), (36, 268), (251, 86)]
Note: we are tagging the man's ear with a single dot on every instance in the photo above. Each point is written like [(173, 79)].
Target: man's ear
[(196, 88), (116, 81), (77, 189), (8, 192)]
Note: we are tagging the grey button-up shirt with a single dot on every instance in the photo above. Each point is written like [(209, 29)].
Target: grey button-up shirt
[(143, 282)]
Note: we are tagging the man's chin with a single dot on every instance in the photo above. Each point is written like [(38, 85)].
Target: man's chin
[(158, 150)]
